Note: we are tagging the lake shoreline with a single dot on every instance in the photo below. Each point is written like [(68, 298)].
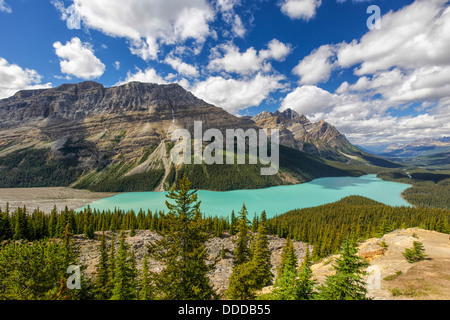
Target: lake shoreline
[(45, 198)]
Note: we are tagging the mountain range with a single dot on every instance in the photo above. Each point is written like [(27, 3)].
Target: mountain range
[(119, 139)]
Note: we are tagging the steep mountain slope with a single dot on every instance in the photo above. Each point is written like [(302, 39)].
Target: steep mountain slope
[(119, 139), (320, 138)]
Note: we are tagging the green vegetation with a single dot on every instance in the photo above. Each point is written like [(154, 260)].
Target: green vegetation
[(36, 168), (347, 283), (331, 228), (326, 227), (393, 276), (416, 253), (430, 189)]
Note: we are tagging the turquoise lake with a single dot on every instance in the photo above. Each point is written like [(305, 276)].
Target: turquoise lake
[(275, 200)]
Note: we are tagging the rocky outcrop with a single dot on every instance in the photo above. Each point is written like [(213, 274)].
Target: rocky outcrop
[(296, 131), (219, 276)]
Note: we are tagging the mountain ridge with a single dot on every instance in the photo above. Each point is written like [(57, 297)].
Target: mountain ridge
[(97, 138)]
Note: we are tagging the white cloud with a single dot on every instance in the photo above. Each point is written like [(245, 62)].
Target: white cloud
[(149, 75), (277, 50), (116, 65), (316, 67), (182, 67), (69, 14), (308, 100), (236, 95), (412, 37), (78, 59), (4, 7), (13, 78), (300, 9), (249, 62), (148, 23), (226, 8)]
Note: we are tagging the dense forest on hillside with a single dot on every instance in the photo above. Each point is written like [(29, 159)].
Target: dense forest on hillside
[(326, 227), (430, 189)]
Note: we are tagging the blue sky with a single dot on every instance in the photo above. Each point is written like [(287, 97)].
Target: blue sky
[(317, 57)]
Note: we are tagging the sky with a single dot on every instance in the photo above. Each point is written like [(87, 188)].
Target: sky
[(379, 81)]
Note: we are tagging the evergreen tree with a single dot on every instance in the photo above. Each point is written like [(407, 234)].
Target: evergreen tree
[(146, 287), (241, 249), (21, 230), (416, 253), (306, 285), (233, 225), (243, 282), (102, 280), (288, 258), (347, 283), (182, 248), (262, 254), (124, 280)]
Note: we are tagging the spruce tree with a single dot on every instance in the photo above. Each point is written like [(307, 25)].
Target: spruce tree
[(145, 285), (182, 248), (102, 280), (124, 280), (347, 283), (241, 249), (288, 258), (306, 285), (262, 254)]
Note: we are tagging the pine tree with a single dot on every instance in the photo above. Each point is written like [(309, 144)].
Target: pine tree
[(146, 287), (241, 249), (124, 280), (182, 248), (233, 224), (21, 230), (288, 258), (416, 253), (306, 285), (262, 254), (243, 282), (347, 283), (102, 280)]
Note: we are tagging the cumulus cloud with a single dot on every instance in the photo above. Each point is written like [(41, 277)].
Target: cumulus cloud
[(308, 100), (4, 7), (249, 62), (425, 41), (148, 23), (181, 67), (403, 78), (235, 95), (149, 75), (226, 8), (14, 78), (69, 14), (316, 67), (300, 9), (78, 59)]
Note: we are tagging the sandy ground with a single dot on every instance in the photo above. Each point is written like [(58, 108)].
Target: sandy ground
[(47, 198), (398, 279)]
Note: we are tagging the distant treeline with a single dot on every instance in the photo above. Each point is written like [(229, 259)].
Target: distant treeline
[(36, 225), (429, 189), (326, 227)]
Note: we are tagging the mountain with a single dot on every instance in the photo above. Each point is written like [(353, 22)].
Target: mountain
[(429, 152), (319, 138), (417, 148), (119, 139)]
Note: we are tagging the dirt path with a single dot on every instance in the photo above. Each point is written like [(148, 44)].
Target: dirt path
[(47, 198)]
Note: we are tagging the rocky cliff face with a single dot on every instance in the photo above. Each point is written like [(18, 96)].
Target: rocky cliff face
[(111, 133), (101, 126), (296, 131)]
